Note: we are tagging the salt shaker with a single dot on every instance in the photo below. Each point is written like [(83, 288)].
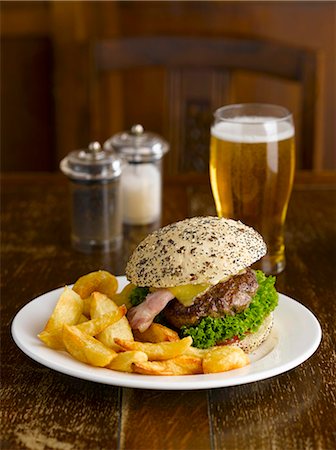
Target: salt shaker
[(96, 219), (141, 180)]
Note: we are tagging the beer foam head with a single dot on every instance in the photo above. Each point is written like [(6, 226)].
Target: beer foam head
[(253, 130)]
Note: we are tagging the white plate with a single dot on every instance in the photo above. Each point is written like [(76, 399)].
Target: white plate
[(295, 336)]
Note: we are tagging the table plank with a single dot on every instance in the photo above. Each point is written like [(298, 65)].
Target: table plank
[(44, 409), (164, 420), (277, 413)]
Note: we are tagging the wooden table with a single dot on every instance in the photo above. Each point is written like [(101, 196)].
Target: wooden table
[(43, 409)]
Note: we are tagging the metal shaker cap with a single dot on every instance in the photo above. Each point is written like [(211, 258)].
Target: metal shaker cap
[(137, 145), (92, 163)]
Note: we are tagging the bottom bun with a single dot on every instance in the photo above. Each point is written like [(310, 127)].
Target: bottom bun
[(252, 341)]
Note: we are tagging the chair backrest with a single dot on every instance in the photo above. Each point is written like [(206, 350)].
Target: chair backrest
[(197, 74)]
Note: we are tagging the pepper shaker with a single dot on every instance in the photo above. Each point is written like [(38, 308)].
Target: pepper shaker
[(96, 220), (141, 180)]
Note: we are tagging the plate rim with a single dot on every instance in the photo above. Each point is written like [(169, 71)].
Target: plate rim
[(185, 382)]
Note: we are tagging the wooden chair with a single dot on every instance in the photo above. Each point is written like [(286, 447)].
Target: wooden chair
[(196, 80)]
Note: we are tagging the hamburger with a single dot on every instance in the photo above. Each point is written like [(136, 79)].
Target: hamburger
[(195, 276)]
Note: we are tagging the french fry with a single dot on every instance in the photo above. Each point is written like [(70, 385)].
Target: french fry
[(85, 348), (156, 333), (101, 304), (120, 328), (181, 365), (123, 361), (67, 311), (86, 306), (96, 326), (100, 281), (52, 339), (197, 352), (83, 318), (224, 358), (159, 351)]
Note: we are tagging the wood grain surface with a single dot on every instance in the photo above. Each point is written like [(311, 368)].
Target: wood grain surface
[(43, 409)]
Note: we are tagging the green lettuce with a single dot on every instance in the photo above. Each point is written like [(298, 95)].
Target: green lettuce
[(211, 330), (138, 295)]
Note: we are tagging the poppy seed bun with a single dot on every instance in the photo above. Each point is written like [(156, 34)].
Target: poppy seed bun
[(194, 251), (252, 341)]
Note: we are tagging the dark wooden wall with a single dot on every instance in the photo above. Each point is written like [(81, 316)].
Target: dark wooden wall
[(44, 81)]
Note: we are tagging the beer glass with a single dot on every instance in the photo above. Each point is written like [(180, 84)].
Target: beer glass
[(252, 162)]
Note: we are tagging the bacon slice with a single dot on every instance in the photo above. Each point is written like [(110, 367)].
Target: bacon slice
[(141, 317)]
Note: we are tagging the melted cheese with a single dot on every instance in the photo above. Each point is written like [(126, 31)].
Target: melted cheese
[(186, 293)]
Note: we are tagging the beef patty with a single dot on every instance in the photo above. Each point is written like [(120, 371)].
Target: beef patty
[(229, 297)]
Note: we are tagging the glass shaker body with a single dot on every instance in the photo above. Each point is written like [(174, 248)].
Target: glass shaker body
[(96, 215), (141, 180), (142, 193), (95, 193)]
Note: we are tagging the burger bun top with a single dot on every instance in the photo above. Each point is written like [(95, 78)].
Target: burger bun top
[(193, 251)]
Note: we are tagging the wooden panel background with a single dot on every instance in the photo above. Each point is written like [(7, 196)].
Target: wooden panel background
[(71, 25)]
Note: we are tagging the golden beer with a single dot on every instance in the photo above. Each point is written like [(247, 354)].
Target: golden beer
[(251, 172)]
